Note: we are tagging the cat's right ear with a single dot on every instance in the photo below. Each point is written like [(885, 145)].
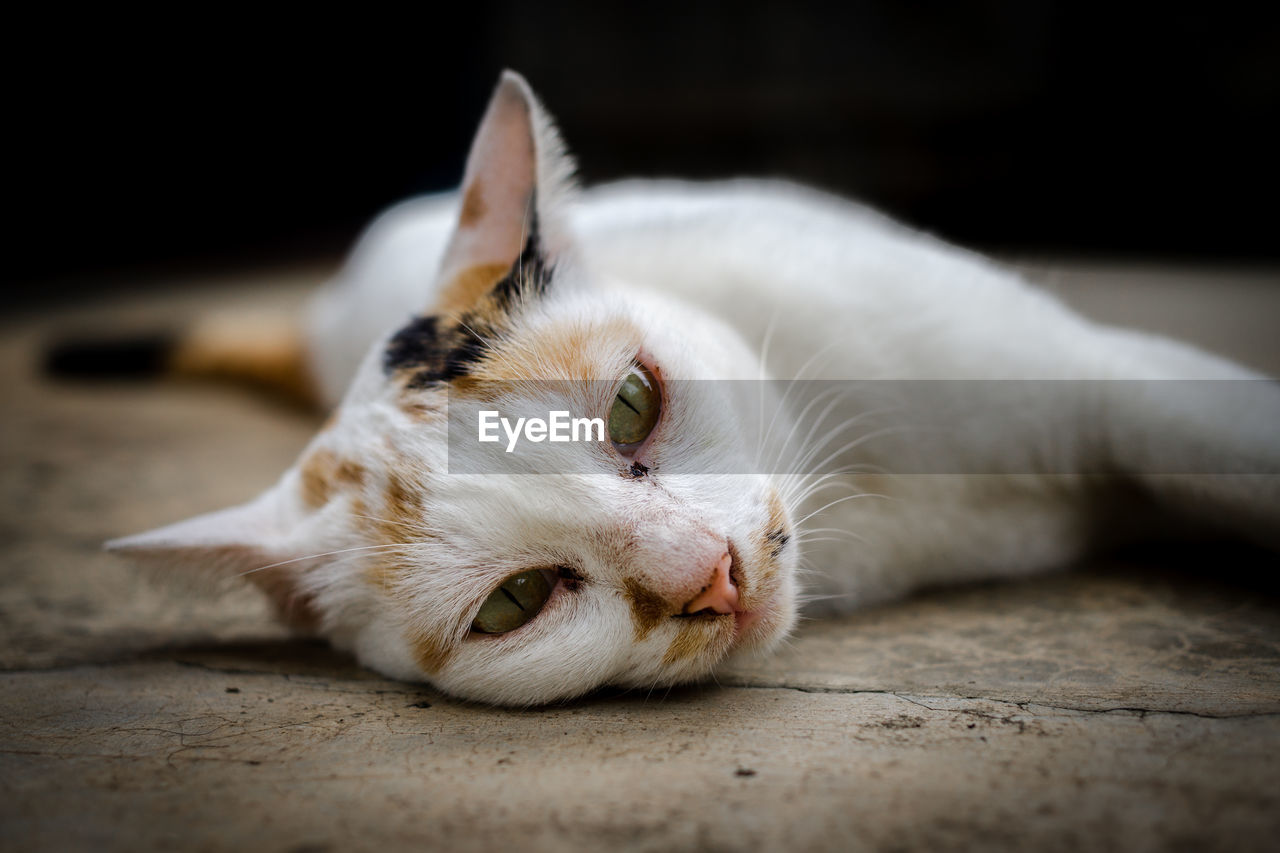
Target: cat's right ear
[(514, 189)]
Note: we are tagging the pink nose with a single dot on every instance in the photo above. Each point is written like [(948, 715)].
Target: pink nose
[(720, 595)]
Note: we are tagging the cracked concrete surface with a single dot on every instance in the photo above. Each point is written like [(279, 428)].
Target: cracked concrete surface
[(1133, 703)]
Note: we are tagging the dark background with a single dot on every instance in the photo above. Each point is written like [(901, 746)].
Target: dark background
[(145, 146)]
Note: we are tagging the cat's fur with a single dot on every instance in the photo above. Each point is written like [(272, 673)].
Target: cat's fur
[(371, 541)]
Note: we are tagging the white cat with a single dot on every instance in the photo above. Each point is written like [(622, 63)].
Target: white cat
[(656, 555)]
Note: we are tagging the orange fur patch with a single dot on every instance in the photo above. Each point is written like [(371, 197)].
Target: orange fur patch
[(779, 528), (694, 637), (648, 609), (402, 509), (770, 541), (323, 474), (468, 288), (421, 410), (565, 353), (431, 653), (570, 351), (383, 573), (473, 206), (397, 520)]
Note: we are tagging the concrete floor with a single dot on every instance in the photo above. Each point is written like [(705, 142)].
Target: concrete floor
[(1133, 703)]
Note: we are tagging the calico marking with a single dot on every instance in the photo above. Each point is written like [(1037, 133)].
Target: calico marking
[(648, 609), (430, 653), (530, 274), (695, 637), (436, 349), (772, 540), (473, 206), (778, 534), (323, 473), (470, 286), (431, 350)]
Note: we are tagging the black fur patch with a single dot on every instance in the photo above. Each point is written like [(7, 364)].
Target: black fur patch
[(529, 275), (778, 539), (438, 349), (435, 349), (413, 345)]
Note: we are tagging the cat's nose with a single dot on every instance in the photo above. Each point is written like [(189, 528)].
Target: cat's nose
[(720, 595)]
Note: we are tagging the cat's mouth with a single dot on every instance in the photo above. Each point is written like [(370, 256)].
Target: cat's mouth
[(744, 620)]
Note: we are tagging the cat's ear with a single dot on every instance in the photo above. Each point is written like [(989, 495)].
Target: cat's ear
[(517, 181), (257, 540)]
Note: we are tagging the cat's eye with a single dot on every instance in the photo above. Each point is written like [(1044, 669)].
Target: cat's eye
[(635, 411), (516, 600)]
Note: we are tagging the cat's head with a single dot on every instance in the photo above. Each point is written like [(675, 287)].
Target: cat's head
[(635, 560)]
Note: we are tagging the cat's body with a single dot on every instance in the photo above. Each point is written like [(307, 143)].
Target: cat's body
[(666, 556), (835, 291)]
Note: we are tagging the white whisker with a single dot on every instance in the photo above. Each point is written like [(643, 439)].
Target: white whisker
[(828, 506), (385, 520), (326, 554)]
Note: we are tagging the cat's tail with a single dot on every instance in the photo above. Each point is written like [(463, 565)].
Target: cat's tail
[(264, 353)]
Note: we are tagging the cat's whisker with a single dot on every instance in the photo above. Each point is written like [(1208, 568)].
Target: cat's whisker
[(524, 241), (840, 536), (806, 460), (805, 469), (819, 486), (847, 535), (830, 504), (809, 494), (785, 445), (818, 539), (800, 419), (852, 490), (489, 344), (809, 530), (795, 481), (791, 385), (814, 448), (387, 521), (811, 599), (860, 440), (326, 554), (797, 493), (798, 377), (760, 377), (766, 342)]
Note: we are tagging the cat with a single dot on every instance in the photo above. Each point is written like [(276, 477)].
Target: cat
[(662, 311)]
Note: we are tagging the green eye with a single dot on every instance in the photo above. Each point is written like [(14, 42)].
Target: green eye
[(635, 409), (512, 604)]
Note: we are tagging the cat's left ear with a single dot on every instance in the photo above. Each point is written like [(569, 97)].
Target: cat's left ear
[(262, 541), (517, 182)]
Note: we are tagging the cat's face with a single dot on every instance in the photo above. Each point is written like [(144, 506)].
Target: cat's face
[(623, 542), (527, 577)]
